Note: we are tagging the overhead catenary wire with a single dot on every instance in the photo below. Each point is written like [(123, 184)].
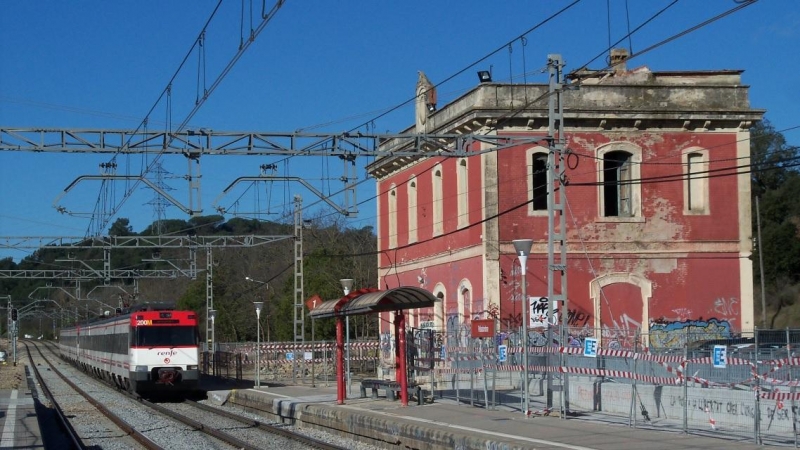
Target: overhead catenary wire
[(516, 111), (454, 75), (680, 177), (522, 36), (266, 17), (662, 178), (361, 202), (746, 169)]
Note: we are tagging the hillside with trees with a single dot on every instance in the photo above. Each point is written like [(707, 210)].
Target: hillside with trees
[(776, 201), (325, 239)]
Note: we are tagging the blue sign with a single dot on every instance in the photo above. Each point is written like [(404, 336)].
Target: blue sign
[(720, 356), (443, 353), (502, 353), (590, 347), (290, 356)]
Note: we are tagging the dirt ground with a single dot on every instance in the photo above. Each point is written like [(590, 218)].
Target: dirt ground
[(11, 377)]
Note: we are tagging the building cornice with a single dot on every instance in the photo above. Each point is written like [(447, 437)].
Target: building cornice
[(652, 105)]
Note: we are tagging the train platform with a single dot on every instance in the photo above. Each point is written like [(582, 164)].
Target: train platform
[(19, 424), (447, 424)]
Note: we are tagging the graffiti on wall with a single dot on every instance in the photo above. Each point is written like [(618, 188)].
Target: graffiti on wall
[(726, 307), (622, 332), (579, 317), (731, 408), (387, 349), (576, 317), (667, 334)]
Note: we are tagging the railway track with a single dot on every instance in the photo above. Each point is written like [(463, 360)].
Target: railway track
[(254, 430), (82, 440), (227, 429)]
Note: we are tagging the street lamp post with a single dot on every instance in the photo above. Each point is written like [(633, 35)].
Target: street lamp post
[(523, 249), (258, 338), (347, 285), (212, 314), (269, 298), (258, 342)]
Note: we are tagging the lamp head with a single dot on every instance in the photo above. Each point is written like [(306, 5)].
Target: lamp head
[(347, 285), (484, 76), (523, 246)]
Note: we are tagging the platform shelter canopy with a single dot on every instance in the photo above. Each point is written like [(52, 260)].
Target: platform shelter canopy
[(405, 297)]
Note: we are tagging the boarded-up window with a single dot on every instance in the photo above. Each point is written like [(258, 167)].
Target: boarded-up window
[(393, 217), (438, 206), (412, 210), (696, 182), (463, 194)]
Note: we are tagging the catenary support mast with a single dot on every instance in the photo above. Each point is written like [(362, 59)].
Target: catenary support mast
[(556, 223)]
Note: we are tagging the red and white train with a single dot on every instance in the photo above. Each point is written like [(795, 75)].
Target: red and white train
[(150, 348)]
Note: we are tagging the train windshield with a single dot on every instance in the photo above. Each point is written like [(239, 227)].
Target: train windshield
[(165, 336)]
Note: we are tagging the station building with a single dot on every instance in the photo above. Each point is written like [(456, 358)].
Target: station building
[(658, 213)]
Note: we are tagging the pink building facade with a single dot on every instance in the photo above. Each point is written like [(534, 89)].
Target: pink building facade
[(658, 208)]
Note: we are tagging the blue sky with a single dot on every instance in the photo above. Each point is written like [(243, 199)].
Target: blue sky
[(321, 66)]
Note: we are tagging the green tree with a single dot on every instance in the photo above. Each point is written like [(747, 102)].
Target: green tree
[(776, 184), (121, 227)]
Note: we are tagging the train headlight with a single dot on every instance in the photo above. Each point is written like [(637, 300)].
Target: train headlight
[(191, 367), (140, 368)]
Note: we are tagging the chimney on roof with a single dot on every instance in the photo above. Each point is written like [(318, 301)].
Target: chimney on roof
[(617, 60)]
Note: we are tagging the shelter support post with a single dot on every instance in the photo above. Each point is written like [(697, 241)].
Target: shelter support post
[(402, 372), (340, 385)]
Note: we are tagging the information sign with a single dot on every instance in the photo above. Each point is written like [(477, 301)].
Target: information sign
[(590, 347)]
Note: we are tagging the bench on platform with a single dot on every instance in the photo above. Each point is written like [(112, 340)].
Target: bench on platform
[(392, 389)]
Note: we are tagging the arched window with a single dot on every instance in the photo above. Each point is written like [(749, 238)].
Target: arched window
[(539, 177), (695, 195), (465, 301), (619, 174), (536, 163), (412, 210), (617, 184), (438, 307), (438, 206), (392, 217), (463, 193)]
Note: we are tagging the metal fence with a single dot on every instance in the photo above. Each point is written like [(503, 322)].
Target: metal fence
[(672, 381), (287, 362), (742, 385)]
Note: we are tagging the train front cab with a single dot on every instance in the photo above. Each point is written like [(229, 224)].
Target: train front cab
[(164, 353)]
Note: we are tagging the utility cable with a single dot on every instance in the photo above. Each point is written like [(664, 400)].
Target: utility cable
[(528, 103), (266, 18), (447, 79)]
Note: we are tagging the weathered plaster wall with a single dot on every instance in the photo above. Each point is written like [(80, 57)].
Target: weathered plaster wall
[(678, 268)]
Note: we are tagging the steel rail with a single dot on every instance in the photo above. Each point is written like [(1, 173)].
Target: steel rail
[(221, 435), (62, 418), (123, 425), (316, 443)]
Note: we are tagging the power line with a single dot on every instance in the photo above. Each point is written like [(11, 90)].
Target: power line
[(266, 17), (514, 112)]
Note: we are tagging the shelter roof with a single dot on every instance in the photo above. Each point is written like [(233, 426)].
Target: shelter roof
[(374, 301)]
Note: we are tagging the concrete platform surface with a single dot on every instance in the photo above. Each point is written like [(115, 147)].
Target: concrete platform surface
[(445, 424), (19, 426)]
